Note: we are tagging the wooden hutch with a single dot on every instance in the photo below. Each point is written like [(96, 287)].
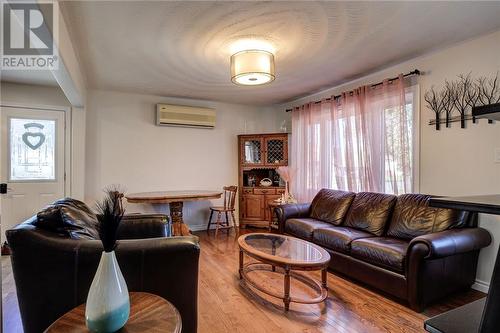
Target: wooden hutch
[(259, 156)]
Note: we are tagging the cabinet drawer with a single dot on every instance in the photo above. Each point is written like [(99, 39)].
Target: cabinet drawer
[(248, 190), (280, 190), (264, 191)]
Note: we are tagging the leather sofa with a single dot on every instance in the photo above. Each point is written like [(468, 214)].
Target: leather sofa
[(53, 272), (396, 244)]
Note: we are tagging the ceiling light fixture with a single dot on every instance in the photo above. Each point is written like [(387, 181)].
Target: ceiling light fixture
[(252, 67)]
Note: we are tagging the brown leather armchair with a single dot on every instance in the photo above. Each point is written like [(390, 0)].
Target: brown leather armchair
[(399, 245), (53, 273)]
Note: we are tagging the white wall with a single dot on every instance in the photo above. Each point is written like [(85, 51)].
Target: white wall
[(32, 95), (453, 161), (124, 146)]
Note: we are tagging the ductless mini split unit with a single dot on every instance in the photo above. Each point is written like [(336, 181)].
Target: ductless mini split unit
[(186, 116)]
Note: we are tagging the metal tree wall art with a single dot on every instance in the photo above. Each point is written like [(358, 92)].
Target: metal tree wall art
[(434, 102), (473, 95), (441, 102), (489, 90), (461, 100), (461, 96), (448, 105)]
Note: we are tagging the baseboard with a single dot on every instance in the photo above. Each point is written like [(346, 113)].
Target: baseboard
[(200, 227), (481, 286)]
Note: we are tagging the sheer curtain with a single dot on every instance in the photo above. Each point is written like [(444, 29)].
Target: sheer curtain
[(312, 153), (361, 141)]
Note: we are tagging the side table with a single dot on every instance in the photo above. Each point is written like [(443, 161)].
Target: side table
[(271, 207), (148, 313)]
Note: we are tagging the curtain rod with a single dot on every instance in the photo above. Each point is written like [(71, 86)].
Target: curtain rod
[(413, 72)]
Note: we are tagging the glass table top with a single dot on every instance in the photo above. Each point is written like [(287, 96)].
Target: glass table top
[(284, 247)]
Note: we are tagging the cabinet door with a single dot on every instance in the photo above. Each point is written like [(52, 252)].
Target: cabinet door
[(276, 150), (253, 206), (269, 199), (251, 151)]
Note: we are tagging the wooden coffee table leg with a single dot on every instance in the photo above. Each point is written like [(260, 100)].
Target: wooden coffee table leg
[(273, 251), (241, 264), (286, 298), (324, 282)]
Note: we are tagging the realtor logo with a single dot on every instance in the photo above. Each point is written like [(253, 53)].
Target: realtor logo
[(28, 35)]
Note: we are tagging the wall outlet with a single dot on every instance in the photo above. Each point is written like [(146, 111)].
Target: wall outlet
[(497, 155)]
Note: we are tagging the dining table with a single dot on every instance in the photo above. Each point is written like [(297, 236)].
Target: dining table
[(176, 200)]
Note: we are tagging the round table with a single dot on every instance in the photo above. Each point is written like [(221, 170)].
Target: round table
[(148, 313), (290, 255), (175, 200)]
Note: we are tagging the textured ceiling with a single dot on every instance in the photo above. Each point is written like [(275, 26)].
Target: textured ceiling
[(182, 49)]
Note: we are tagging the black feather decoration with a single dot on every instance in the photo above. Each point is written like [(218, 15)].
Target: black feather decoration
[(109, 214)]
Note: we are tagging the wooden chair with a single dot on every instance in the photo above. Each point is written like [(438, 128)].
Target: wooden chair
[(229, 200)]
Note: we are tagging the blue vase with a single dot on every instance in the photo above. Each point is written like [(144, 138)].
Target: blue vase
[(108, 305)]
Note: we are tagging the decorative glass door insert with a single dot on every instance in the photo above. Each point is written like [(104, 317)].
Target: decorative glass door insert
[(275, 151), (252, 152), (32, 149)]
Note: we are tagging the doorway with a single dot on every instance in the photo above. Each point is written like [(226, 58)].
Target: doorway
[(32, 161)]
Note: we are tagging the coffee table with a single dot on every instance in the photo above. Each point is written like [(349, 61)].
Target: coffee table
[(286, 255)]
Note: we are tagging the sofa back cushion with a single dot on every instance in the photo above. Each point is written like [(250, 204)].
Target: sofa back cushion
[(413, 217), (331, 205), (370, 212), (69, 217)]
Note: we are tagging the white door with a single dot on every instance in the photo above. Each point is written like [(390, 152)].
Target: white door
[(32, 162)]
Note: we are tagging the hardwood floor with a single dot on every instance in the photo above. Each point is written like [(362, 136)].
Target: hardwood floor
[(226, 305), (11, 318)]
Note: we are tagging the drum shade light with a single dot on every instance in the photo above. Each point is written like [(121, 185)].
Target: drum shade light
[(252, 67)]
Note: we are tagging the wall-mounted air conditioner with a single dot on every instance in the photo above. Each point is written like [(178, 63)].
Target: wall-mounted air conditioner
[(181, 115)]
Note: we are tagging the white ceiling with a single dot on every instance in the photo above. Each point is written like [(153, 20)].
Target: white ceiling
[(182, 49)]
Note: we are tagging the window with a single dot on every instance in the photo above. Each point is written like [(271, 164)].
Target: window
[(367, 141), (32, 149), (393, 126)]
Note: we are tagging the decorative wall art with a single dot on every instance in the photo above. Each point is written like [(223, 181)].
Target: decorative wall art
[(457, 98)]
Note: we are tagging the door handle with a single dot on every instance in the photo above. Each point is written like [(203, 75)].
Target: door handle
[(4, 189)]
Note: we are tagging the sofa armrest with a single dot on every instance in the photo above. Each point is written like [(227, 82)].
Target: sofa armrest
[(140, 226), (441, 263), (288, 211), (451, 242), (167, 267)]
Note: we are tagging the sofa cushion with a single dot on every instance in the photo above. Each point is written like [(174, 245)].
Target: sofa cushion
[(413, 217), (303, 228), (69, 217), (370, 212), (384, 252), (331, 205), (338, 238)]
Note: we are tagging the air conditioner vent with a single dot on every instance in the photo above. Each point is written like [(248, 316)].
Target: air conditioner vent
[(180, 115)]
